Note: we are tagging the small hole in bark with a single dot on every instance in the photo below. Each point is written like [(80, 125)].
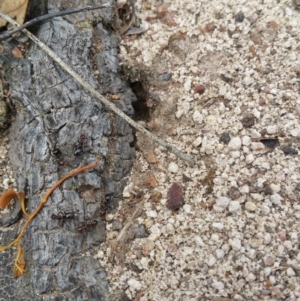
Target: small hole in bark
[(142, 111)]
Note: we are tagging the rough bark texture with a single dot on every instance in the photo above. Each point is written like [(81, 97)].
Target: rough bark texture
[(53, 113)]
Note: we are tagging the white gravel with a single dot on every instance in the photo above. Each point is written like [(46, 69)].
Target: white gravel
[(237, 235)]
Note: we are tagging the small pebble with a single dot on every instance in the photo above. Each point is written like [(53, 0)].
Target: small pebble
[(197, 141), (246, 140), (267, 271), (134, 284), (217, 226), (220, 253), (165, 76), (256, 242), (248, 120), (288, 150), (265, 209), (211, 261), (235, 244), (272, 129), (234, 206), (276, 199), (197, 117), (235, 143), (199, 89), (173, 167), (222, 202), (267, 238), (218, 285), (269, 260), (239, 17), (231, 27), (175, 197), (250, 206), (249, 158), (290, 272), (170, 229), (225, 138)]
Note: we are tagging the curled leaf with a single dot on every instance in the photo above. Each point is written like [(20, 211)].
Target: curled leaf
[(8, 195)]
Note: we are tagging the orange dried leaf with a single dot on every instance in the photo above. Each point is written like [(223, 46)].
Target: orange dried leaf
[(8, 195)]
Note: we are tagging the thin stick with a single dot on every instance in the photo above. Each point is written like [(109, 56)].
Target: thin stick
[(9, 33), (87, 86), (133, 216)]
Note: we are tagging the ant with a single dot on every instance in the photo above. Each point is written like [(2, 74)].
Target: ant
[(57, 153), (103, 208), (79, 146), (86, 225), (63, 215)]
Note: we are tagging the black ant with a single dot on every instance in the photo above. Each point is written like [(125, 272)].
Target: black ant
[(87, 225), (79, 146), (103, 208), (57, 153), (63, 215)]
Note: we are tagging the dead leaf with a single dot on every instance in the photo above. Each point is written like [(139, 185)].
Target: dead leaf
[(15, 9), (6, 197), (17, 53)]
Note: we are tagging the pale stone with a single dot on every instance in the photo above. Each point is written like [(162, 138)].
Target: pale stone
[(173, 167), (271, 129), (235, 143), (197, 141), (211, 261), (170, 229), (234, 206), (218, 285), (197, 117), (249, 159), (248, 80), (290, 272), (276, 199), (246, 140), (235, 244), (250, 206), (222, 201), (220, 253), (217, 226), (256, 242), (134, 284)]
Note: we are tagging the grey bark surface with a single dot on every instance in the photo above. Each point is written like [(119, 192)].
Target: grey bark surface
[(53, 112)]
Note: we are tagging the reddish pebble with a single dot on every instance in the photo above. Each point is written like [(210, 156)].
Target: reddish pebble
[(199, 89), (261, 101), (273, 25), (175, 197), (161, 11), (282, 235), (210, 27)]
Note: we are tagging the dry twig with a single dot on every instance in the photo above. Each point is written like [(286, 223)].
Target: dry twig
[(46, 17)]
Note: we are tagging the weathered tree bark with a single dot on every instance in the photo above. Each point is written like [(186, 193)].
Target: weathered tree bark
[(59, 127)]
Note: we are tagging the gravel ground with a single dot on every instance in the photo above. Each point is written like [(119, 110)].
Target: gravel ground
[(233, 102), (222, 80)]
